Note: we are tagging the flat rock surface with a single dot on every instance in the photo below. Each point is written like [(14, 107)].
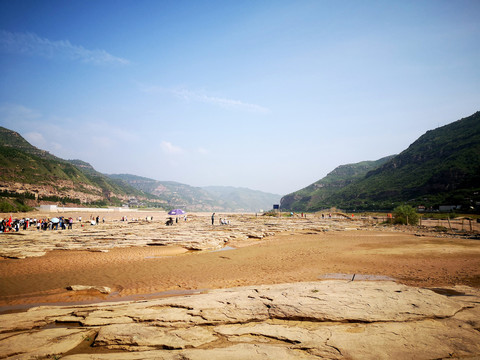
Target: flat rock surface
[(195, 234), (335, 319), (144, 259)]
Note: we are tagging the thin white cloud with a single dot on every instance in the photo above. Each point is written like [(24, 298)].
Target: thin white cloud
[(102, 142), (222, 102), (34, 45), (114, 133), (169, 148), (36, 139), (13, 113), (199, 96), (203, 151), (67, 137)]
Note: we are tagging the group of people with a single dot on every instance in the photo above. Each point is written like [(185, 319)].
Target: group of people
[(56, 223), (221, 221), (95, 220), (15, 225), (9, 225)]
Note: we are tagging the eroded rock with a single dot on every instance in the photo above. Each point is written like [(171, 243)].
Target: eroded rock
[(333, 319), (196, 234), (31, 344)]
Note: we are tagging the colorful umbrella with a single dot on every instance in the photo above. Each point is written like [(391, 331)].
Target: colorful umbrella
[(176, 212)]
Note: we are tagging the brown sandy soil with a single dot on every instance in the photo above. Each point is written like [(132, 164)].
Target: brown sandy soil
[(144, 272)]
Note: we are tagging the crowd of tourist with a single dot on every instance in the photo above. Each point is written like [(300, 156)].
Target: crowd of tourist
[(63, 223), (15, 225), (55, 223)]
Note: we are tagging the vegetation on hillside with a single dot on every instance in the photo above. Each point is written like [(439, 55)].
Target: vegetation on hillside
[(51, 179), (441, 168), (315, 196)]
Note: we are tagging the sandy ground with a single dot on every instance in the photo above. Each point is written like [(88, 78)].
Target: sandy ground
[(146, 272)]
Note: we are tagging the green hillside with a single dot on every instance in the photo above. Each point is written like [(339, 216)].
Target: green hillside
[(314, 196), (13, 140), (22, 167), (32, 173), (441, 168)]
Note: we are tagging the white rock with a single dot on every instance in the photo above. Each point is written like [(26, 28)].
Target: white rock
[(102, 289)]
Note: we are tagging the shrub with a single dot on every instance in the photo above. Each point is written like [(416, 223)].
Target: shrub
[(6, 207), (405, 214)]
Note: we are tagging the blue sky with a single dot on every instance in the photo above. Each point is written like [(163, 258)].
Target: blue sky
[(270, 95)]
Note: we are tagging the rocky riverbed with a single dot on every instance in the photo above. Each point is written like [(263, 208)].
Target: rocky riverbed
[(333, 319), (195, 234), (289, 307)]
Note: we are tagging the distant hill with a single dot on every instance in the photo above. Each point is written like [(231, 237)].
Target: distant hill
[(314, 196), (172, 194), (34, 176), (30, 176), (442, 167), (210, 198), (243, 199)]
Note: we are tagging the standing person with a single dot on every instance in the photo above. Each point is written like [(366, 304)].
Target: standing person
[(97, 219), (213, 218)]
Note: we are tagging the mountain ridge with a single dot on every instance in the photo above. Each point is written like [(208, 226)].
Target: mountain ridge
[(208, 198), (338, 178), (441, 167), (30, 176)]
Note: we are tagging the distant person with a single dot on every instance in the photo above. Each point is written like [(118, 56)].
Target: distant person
[(213, 218), (97, 220)]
